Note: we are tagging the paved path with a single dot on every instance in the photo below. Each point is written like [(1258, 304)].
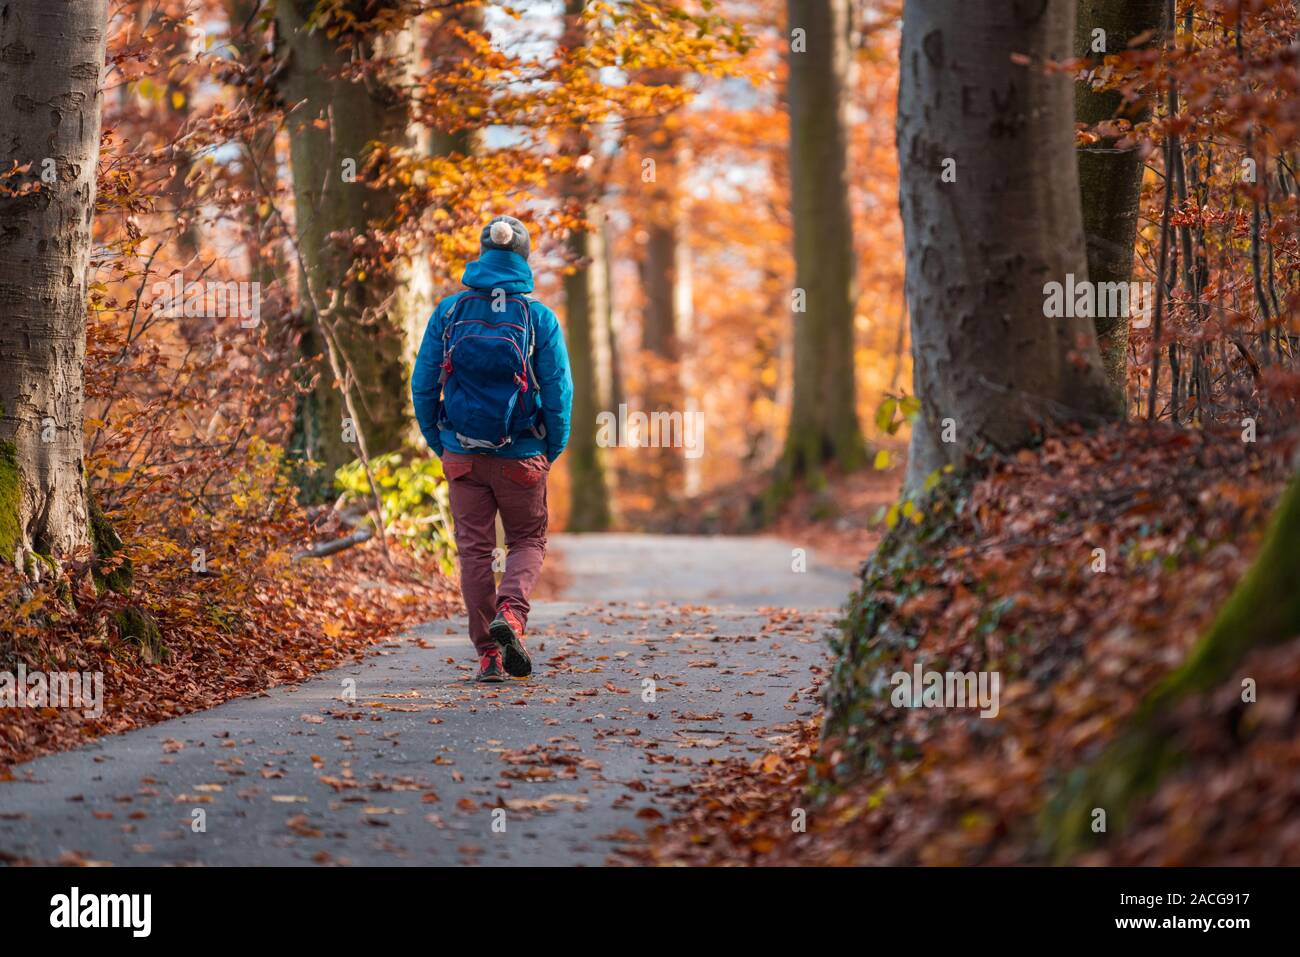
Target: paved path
[(401, 759)]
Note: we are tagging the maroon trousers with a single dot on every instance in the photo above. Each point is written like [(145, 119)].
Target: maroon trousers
[(481, 486)]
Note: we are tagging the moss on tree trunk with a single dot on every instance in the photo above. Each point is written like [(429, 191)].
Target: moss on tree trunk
[(108, 576), (114, 572), (11, 491), (136, 625)]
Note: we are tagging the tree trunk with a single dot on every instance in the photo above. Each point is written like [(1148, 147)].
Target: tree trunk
[(1110, 180), (684, 311), (609, 364), (612, 390), (589, 493), (331, 122), (989, 368), (50, 119), (177, 102), (267, 266), (661, 260), (823, 424)]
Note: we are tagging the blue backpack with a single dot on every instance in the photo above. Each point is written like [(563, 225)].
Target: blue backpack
[(489, 388)]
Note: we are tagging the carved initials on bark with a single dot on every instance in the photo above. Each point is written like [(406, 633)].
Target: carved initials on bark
[(1030, 12), (932, 44)]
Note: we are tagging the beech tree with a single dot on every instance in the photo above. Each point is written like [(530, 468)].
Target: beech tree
[(583, 295), (267, 265), (345, 89), (823, 417), (1110, 178), (49, 130), (610, 367), (989, 193)]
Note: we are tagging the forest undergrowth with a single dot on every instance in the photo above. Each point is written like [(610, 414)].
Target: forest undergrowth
[(1002, 574)]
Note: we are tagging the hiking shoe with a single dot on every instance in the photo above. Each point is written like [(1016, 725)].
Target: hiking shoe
[(508, 632), (489, 668)]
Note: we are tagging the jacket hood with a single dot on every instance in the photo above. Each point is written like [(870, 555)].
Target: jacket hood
[(499, 269)]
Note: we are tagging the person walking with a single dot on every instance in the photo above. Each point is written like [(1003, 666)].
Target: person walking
[(493, 396)]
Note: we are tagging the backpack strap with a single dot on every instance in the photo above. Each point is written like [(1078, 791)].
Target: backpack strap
[(468, 443), (446, 336), (537, 427), (445, 368)]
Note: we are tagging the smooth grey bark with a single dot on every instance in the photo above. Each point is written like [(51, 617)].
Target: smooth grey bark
[(823, 424), (987, 363), (1110, 179), (51, 57), (372, 317)]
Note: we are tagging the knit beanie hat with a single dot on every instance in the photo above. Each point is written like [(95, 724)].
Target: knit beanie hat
[(506, 232)]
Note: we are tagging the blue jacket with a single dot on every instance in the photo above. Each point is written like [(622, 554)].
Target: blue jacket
[(499, 269)]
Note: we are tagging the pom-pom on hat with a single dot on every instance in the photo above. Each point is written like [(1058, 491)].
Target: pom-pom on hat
[(506, 232)]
